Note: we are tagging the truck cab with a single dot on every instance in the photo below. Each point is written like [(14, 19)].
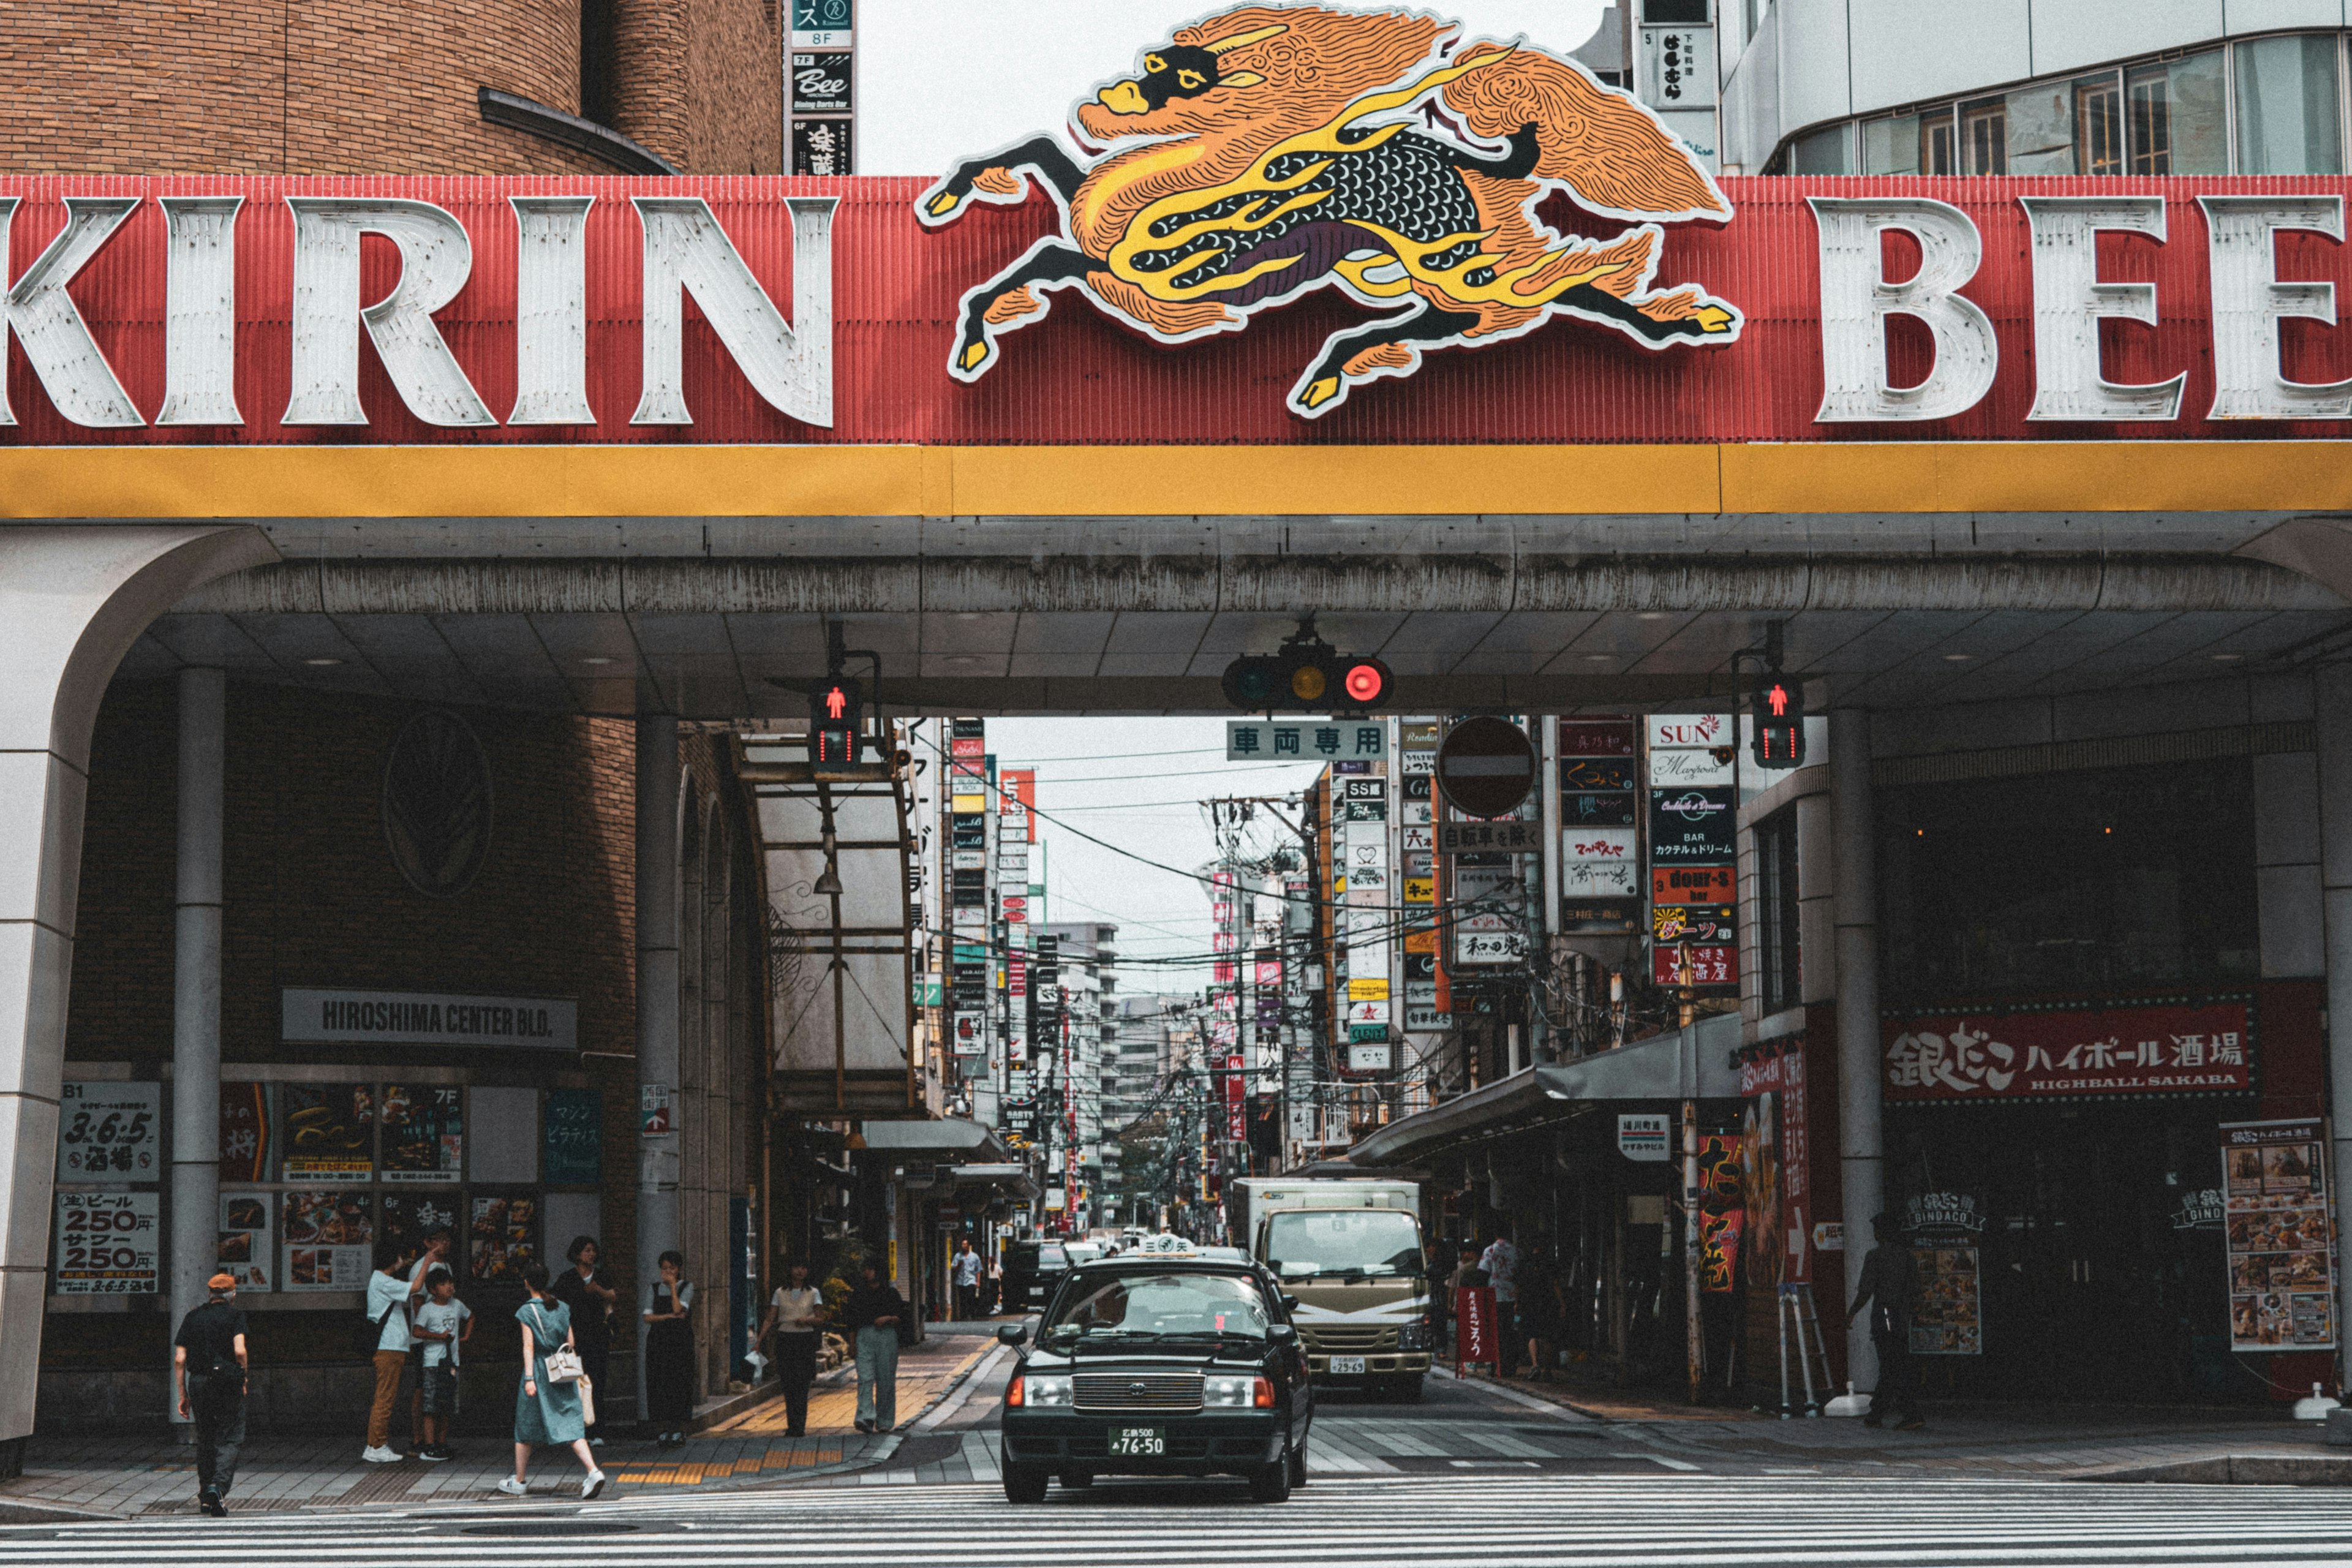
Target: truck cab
[(1350, 1252)]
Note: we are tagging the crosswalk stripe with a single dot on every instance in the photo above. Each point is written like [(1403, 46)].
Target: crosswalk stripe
[(1603, 1521)]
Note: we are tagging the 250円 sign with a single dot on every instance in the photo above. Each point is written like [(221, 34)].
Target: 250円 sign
[(2151, 1046)]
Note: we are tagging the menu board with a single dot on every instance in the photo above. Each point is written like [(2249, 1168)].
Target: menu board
[(107, 1244), (412, 1218), (1947, 1312), (423, 1134), (246, 1254), (244, 1133), (326, 1130), (574, 1134), (503, 1235), (329, 1240), (110, 1133), (2282, 1266)]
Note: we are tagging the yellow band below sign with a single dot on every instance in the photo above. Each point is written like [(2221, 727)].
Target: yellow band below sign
[(623, 482)]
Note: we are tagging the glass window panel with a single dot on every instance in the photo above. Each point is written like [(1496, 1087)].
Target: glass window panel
[(2287, 107), (2173, 117), (1891, 146), (1936, 150), (2040, 128), (1984, 137), (2099, 124), (1822, 151)]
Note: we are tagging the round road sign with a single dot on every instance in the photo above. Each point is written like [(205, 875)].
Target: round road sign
[(1486, 767)]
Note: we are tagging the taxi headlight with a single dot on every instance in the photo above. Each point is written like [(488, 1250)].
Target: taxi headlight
[(1231, 1393), (1412, 1336), (1045, 1390)]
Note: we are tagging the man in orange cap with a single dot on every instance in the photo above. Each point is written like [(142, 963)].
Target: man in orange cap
[(208, 1359)]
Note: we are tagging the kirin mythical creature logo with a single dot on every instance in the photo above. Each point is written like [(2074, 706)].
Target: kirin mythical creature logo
[(1271, 150)]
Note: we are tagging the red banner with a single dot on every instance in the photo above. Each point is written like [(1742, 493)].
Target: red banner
[(2094, 1048), (1475, 1340), (895, 287)]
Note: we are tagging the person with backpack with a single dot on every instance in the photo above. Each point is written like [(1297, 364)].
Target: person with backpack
[(388, 1297), (208, 1358)]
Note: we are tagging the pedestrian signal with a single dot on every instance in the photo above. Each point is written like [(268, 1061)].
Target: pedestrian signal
[(835, 721), (1777, 716)]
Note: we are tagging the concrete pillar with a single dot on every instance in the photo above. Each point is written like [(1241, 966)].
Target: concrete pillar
[(1861, 1149), (196, 994), (2286, 866), (658, 1003), (2333, 692), (73, 599)]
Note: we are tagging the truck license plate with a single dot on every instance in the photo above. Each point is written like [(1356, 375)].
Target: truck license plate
[(1139, 1442), (1343, 1366)]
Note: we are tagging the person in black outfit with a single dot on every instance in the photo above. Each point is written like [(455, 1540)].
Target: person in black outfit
[(875, 1314), (1890, 1280), (208, 1357), (669, 1352), (584, 1289)]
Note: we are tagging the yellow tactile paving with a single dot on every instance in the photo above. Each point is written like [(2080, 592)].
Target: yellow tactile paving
[(835, 1409)]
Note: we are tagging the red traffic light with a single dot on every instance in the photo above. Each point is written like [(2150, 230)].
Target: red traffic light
[(1366, 682)]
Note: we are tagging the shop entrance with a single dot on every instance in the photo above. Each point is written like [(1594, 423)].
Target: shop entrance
[(2099, 1247)]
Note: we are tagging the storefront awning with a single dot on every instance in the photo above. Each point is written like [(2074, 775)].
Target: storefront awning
[(947, 1135), (1693, 1063), (1004, 1177)]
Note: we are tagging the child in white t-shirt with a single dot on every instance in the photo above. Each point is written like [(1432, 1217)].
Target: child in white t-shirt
[(442, 1324)]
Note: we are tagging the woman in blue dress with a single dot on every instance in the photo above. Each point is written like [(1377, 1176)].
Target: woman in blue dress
[(547, 1413)]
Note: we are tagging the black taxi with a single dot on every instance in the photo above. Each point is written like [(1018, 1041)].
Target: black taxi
[(1159, 1362)]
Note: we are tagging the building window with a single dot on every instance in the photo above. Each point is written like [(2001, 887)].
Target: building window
[(1823, 151), (1984, 136), (2287, 115), (2099, 124), (1891, 146), (1937, 144), (1675, 13), (2173, 115), (1779, 959)]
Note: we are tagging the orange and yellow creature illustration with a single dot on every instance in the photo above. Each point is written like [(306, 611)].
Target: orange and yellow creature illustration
[(1270, 150)]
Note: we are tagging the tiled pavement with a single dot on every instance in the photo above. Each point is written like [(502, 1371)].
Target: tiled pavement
[(115, 1474)]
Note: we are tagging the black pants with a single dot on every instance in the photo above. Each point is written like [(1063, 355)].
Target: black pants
[(967, 1302), (594, 1359), (217, 1406), (1898, 1379), (796, 1369)]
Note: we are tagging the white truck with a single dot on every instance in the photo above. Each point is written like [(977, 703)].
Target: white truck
[(1349, 1250)]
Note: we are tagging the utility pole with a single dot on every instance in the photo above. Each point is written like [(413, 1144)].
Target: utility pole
[(1695, 1342)]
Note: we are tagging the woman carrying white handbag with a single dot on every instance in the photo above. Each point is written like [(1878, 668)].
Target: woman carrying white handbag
[(549, 1405)]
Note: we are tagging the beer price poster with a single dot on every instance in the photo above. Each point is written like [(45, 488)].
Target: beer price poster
[(107, 1244), (2282, 1267)]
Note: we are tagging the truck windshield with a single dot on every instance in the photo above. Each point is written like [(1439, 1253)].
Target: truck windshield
[(1354, 1241)]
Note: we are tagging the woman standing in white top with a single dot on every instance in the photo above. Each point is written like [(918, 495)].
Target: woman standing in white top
[(797, 1314)]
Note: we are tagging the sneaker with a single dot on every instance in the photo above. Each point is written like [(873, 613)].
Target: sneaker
[(513, 1488), (592, 1486), (595, 1441), (380, 1455), (435, 1455), (865, 1426)]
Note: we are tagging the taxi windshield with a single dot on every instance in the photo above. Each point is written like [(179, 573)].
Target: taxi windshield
[(1179, 1304), (1364, 1242)]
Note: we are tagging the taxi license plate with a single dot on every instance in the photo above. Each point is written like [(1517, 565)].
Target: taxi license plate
[(1343, 1366), (1139, 1442)]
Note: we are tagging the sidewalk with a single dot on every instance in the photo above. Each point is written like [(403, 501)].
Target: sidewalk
[(2056, 1441), (113, 1475)]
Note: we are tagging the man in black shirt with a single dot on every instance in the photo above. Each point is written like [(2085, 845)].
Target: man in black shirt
[(1890, 1277), (874, 1315), (208, 1358), (584, 1289)]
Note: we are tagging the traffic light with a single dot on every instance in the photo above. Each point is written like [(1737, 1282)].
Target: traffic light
[(1308, 676), (1778, 711), (836, 719)]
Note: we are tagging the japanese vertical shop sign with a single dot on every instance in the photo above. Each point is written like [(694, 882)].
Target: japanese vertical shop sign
[(1723, 1211), (1474, 1341), (1693, 810), (2282, 1266), (110, 1133)]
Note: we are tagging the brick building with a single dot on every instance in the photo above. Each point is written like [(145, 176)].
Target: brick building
[(428, 86)]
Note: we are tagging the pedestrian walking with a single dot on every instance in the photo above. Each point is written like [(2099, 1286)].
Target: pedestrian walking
[(388, 1297), (547, 1411), (796, 1314), (209, 1358), (669, 1351), (967, 1282), (875, 1313), (584, 1289), (1543, 1310), (1890, 1281), (442, 1324), (1501, 1262)]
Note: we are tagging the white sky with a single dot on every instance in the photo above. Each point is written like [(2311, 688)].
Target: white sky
[(941, 80), (1090, 775)]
